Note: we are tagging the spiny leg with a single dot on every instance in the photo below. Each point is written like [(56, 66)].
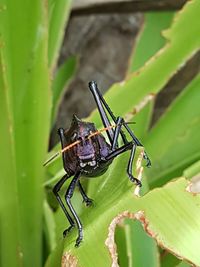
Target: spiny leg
[(125, 141), (102, 105), (102, 112), (116, 133), (119, 151), (86, 199), (138, 143), (56, 189), (119, 124), (130, 167), (68, 197), (130, 146)]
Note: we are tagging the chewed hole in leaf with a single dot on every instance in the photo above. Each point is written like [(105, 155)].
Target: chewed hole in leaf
[(132, 243), (194, 185)]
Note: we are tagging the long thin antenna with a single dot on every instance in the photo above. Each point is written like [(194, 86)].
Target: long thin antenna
[(60, 152), (51, 158), (57, 154)]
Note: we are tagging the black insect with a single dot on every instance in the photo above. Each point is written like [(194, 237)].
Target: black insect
[(85, 152)]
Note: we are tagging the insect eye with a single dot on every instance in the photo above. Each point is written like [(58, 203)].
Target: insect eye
[(73, 138)]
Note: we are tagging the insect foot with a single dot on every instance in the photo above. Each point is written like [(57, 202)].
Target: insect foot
[(88, 202), (79, 240), (135, 180), (148, 164), (138, 182), (68, 230)]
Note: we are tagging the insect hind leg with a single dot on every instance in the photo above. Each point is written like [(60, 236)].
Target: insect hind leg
[(56, 189), (103, 109), (68, 197), (138, 143)]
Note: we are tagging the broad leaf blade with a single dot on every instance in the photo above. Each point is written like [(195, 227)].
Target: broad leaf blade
[(157, 71), (178, 229), (24, 35), (124, 256), (149, 42), (151, 39), (9, 242), (60, 11), (113, 189), (178, 128), (62, 78)]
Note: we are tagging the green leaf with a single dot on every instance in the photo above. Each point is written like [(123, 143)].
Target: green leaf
[(49, 226), (138, 241), (151, 78), (113, 190), (149, 42), (121, 242), (9, 242), (137, 90), (59, 14), (151, 143), (192, 170), (183, 264), (23, 40), (177, 229), (56, 255), (168, 259), (151, 39), (177, 129), (62, 79)]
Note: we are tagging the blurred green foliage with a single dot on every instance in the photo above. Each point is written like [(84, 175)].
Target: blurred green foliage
[(30, 38)]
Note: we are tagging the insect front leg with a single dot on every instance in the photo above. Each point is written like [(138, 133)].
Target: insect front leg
[(130, 167), (68, 197), (138, 143), (86, 199), (117, 133), (56, 189), (130, 146), (63, 141)]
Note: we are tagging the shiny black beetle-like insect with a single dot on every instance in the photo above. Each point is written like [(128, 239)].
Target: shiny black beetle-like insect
[(91, 157)]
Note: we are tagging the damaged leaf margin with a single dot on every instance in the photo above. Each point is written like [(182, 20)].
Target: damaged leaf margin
[(167, 61), (194, 185), (69, 260), (170, 215), (139, 216), (110, 241), (148, 226)]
